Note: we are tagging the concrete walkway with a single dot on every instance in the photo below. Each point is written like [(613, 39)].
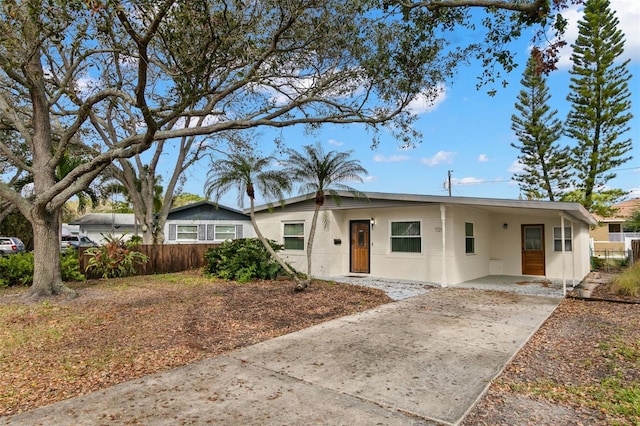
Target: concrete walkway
[(420, 361)]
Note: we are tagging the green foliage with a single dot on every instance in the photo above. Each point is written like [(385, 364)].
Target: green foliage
[(600, 104), (628, 282), (243, 260), (114, 259), (70, 266), (546, 165), (16, 269)]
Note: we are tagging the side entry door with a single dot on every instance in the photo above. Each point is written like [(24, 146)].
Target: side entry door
[(360, 242), (533, 250)]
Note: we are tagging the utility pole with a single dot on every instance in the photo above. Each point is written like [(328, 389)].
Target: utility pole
[(449, 181)]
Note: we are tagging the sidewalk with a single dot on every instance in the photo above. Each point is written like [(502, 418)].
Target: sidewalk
[(420, 361)]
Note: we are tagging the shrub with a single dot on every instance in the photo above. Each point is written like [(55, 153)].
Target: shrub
[(243, 260), (628, 282), (16, 269), (70, 266), (114, 259)]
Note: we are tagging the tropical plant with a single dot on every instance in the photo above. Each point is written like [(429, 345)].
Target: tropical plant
[(600, 106), (113, 259), (321, 173), (249, 175)]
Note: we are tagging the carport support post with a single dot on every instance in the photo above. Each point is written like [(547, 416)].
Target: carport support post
[(443, 219), (564, 280)]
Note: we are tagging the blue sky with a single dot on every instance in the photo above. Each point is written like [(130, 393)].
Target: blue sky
[(466, 131)]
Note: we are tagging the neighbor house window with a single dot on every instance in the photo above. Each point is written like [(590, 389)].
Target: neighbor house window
[(224, 232), (405, 237), (557, 238), (469, 238), (614, 228), (187, 232), (294, 236)]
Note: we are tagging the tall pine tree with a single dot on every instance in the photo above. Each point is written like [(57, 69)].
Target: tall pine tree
[(546, 164), (600, 105)]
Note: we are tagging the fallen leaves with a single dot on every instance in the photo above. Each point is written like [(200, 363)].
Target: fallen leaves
[(122, 329)]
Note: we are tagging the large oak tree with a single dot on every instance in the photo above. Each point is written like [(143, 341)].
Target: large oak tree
[(113, 79)]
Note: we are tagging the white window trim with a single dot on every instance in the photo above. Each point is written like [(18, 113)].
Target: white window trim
[(421, 237), (569, 239), (475, 250), (304, 237)]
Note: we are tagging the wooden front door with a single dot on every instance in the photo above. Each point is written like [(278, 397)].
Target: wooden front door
[(360, 237), (533, 250)]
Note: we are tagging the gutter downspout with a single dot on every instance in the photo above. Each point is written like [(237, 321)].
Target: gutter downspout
[(443, 217)]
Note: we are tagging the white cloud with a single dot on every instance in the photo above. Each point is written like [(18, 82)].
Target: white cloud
[(441, 157), (335, 142), (390, 159), (483, 158), (627, 12), (516, 167), (428, 100), (368, 179), (467, 181)]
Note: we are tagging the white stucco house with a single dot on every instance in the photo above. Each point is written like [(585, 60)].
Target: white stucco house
[(206, 222), (437, 239)]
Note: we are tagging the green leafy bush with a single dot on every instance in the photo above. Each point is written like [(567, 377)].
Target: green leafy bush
[(70, 266), (114, 259), (243, 260), (16, 269)]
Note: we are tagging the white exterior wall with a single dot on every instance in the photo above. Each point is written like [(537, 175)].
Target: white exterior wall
[(96, 232), (497, 250), (466, 266), (506, 246)]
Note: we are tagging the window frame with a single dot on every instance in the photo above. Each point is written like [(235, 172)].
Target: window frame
[(298, 237), (558, 239), (185, 225), (470, 238), (393, 237)]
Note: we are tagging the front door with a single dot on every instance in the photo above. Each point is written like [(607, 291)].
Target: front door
[(360, 235), (533, 250)]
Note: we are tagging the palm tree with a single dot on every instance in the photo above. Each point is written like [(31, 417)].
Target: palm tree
[(321, 173), (247, 173)]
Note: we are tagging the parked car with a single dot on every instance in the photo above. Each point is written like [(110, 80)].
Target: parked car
[(75, 241), (11, 245)]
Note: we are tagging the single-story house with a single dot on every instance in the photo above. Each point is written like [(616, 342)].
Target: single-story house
[(437, 239), (611, 237), (206, 222), (95, 225)]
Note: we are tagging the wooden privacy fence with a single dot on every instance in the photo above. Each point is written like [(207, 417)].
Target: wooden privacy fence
[(635, 250), (163, 258)]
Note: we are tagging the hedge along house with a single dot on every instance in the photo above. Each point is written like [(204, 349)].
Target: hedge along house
[(206, 222), (436, 239)]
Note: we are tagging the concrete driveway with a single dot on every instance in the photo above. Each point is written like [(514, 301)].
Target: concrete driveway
[(420, 361)]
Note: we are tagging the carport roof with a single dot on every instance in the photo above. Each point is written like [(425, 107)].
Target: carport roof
[(381, 199)]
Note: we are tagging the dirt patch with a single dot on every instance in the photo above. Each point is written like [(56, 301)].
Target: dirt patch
[(119, 330)]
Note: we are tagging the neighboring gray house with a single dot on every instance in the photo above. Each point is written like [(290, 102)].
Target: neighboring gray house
[(206, 222), (437, 239), (95, 225)]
